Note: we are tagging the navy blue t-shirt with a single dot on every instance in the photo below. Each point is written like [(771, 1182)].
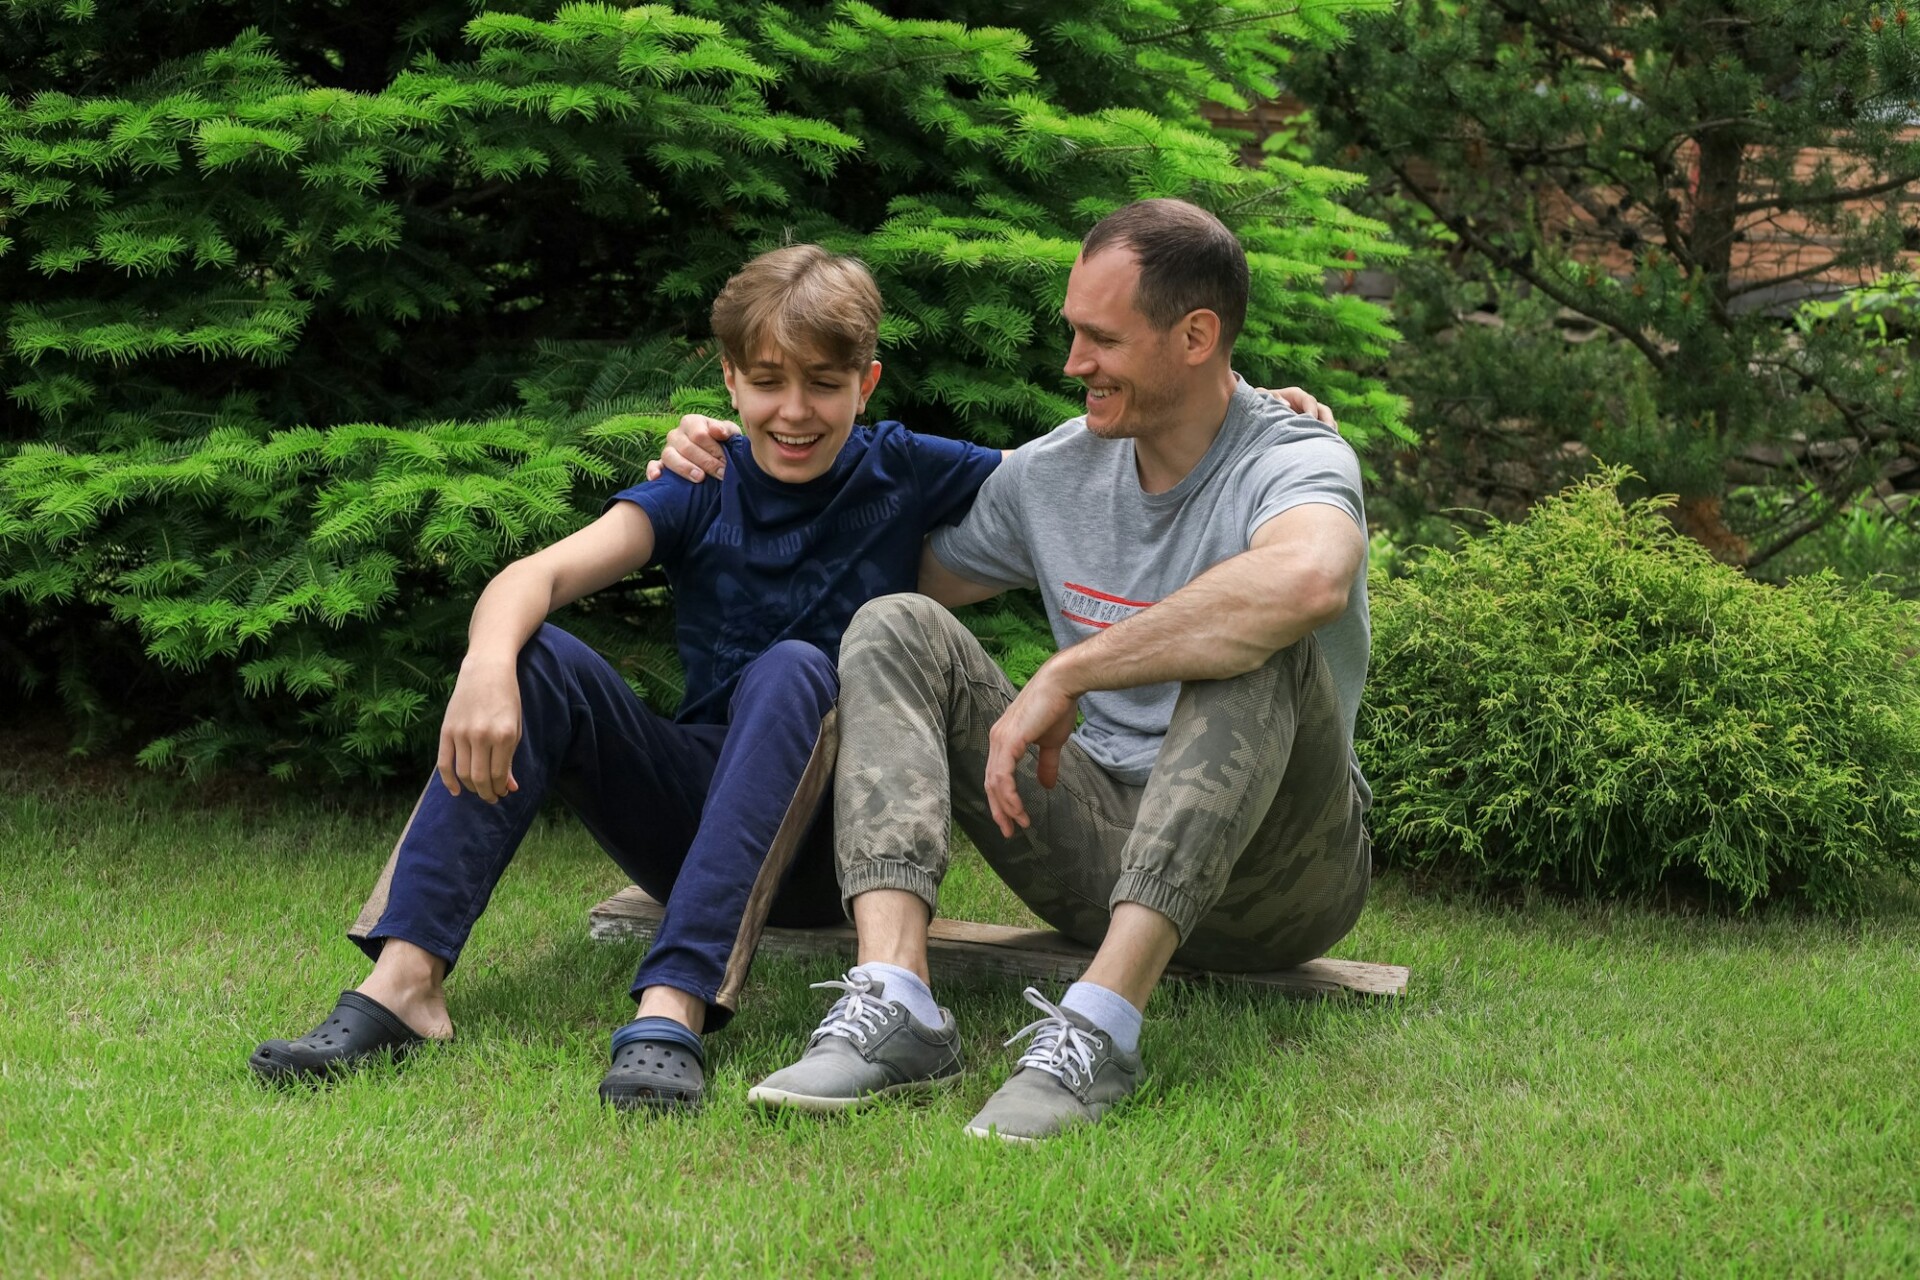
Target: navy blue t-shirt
[(753, 560)]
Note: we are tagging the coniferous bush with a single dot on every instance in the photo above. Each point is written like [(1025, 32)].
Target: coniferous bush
[(1588, 700), (314, 314)]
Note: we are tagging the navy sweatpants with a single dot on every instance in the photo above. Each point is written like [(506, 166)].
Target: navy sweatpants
[(722, 823)]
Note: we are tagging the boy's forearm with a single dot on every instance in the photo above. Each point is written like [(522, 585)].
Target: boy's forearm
[(509, 611), (521, 595)]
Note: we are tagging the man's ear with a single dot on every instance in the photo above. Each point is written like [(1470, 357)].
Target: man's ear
[(868, 383), (1199, 336)]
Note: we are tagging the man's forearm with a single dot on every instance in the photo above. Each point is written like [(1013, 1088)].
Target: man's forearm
[(1224, 623)]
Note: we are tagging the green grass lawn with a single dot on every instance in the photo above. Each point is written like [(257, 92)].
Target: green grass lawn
[(1566, 1090)]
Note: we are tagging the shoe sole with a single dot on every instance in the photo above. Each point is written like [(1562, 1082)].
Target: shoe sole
[(287, 1072), (782, 1099), (995, 1133), (654, 1103), (1004, 1137), (977, 1131)]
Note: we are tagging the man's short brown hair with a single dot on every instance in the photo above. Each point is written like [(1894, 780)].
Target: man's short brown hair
[(801, 300), (1189, 262)]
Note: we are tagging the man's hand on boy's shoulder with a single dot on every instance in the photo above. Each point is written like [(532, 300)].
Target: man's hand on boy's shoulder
[(693, 449), (1301, 401)]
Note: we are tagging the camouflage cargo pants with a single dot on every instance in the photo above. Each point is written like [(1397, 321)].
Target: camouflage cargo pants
[(1247, 836)]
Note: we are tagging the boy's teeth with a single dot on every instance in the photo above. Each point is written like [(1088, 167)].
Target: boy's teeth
[(794, 441)]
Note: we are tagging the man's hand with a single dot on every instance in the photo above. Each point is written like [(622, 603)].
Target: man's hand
[(693, 449), (1298, 400), (480, 731), (1042, 714)]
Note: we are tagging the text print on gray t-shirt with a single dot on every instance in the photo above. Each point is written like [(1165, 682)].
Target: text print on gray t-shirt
[(1066, 513)]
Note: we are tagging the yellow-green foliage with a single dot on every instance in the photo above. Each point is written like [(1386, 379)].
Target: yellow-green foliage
[(1587, 700)]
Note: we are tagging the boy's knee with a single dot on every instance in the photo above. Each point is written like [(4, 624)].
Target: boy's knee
[(794, 664), (550, 652)]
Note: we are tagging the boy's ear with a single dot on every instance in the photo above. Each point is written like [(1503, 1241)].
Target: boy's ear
[(869, 382), (727, 376)]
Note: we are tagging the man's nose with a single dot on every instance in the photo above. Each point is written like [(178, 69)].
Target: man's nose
[(1078, 365)]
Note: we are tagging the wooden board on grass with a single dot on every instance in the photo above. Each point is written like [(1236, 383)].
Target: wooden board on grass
[(963, 947)]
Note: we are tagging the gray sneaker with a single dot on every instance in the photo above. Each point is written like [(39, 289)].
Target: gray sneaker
[(866, 1048), (1071, 1074)]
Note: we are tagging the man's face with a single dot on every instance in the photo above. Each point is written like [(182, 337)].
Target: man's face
[(797, 412), (1133, 372)]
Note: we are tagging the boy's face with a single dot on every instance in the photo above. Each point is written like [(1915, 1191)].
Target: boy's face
[(797, 412)]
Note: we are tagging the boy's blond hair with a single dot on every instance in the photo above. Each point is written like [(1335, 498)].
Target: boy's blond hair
[(802, 300)]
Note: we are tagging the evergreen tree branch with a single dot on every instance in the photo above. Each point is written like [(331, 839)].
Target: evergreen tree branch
[(1264, 17), (1783, 203), (1522, 266), (1839, 261), (1603, 57), (1834, 505)]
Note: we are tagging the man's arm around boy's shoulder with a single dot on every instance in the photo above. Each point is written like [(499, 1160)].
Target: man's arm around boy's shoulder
[(482, 725), (693, 452)]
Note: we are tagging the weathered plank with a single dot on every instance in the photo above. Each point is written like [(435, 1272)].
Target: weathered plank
[(965, 947)]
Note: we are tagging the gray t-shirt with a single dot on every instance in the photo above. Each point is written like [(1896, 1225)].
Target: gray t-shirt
[(1066, 513)]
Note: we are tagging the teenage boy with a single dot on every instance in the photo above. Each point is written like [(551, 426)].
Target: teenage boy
[(713, 812)]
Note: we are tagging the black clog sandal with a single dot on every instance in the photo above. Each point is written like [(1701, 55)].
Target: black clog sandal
[(653, 1075), (358, 1031)]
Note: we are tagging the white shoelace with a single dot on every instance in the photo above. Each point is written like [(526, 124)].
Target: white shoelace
[(1060, 1047), (856, 1015)]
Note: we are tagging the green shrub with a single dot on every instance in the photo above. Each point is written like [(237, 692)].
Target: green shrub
[(1588, 700), (314, 314)]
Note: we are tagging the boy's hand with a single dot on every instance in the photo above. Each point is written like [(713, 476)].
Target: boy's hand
[(693, 449), (480, 731), (1301, 402)]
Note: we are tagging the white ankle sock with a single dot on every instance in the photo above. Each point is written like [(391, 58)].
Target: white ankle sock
[(905, 987), (1108, 1010)]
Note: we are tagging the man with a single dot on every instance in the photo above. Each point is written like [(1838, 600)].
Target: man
[(1201, 554)]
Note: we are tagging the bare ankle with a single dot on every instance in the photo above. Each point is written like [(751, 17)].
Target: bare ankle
[(410, 981), (689, 1010), (406, 968)]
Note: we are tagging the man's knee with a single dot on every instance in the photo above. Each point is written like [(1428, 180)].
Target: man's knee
[(905, 619)]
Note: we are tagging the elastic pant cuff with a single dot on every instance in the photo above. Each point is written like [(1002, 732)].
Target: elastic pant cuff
[(1171, 901), (869, 876)]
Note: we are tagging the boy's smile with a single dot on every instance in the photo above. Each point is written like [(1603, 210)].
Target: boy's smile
[(796, 411)]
